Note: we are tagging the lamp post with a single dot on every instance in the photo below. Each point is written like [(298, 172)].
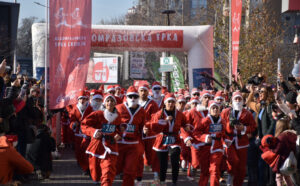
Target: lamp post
[(166, 76)]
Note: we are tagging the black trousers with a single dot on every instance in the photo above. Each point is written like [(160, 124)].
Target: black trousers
[(163, 161)]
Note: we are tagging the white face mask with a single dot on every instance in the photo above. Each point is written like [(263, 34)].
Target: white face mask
[(96, 105), (157, 94), (237, 105), (82, 106), (132, 102)]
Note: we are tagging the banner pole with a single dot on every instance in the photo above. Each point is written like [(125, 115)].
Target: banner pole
[(230, 42), (46, 63)]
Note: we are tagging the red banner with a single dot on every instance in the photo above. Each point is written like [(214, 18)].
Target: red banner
[(137, 38), (236, 12), (69, 47)]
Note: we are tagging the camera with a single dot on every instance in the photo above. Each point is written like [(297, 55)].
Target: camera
[(233, 121), (255, 80)]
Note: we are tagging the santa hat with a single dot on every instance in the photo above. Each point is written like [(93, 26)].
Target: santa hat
[(164, 90), (195, 90), (212, 103), (144, 86), (109, 96), (236, 94), (92, 92), (219, 95), (180, 92), (195, 99), (168, 97), (118, 87), (268, 140), (156, 84), (132, 91), (187, 94), (82, 94), (110, 88), (181, 99), (98, 94), (204, 93)]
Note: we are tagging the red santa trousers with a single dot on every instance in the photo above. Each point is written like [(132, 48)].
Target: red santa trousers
[(95, 170), (80, 146), (236, 163)]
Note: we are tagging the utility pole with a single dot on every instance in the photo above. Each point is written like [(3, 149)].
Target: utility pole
[(15, 53), (46, 62)]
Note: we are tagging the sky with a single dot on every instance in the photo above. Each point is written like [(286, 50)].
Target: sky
[(101, 9)]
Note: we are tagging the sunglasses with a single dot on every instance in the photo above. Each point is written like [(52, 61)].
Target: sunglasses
[(133, 96), (206, 97), (157, 88), (181, 102), (262, 91), (196, 94)]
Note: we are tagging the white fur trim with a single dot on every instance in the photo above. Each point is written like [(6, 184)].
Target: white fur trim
[(168, 99), (236, 96), (162, 122), (187, 139), (143, 87), (132, 93), (244, 131), (154, 86), (82, 97), (110, 117), (111, 96), (110, 89), (95, 133), (218, 97), (97, 96), (206, 138)]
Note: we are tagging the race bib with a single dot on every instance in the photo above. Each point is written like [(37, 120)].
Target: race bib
[(168, 140), (108, 128), (130, 128), (215, 128)]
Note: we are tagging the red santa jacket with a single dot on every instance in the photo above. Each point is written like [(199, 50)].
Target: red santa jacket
[(95, 122), (150, 108), (208, 128), (133, 124), (76, 116), (239, 137), (168, 132)]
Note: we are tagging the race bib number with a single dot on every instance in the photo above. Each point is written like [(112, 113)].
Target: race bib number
[(215, 128), (130, 128), (108, 128), (168, 140)]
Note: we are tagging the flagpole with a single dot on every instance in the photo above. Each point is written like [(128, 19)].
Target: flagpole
[(230, 43), (46, 63)]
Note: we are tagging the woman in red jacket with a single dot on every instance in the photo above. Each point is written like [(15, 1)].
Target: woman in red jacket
[(167, 123), (103, 128), (211, 131)]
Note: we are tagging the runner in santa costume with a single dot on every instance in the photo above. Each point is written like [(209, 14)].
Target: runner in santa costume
[(204, 99), (118, 93), (219, 98), (211, 132), (167, 123), (67, 134), (81, 141), (133, 119), (195, 92), (97, 100), (150, 158), (112, 90), (194, 116), (103, 128), (239, 123), (157, 94)]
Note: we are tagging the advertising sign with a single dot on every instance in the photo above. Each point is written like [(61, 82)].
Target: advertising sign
[(137, 65), (201, 81), (103, 70)]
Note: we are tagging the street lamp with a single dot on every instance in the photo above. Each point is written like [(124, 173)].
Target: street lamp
[(166, 76)]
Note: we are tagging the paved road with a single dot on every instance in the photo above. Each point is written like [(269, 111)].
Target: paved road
[(67, 173)]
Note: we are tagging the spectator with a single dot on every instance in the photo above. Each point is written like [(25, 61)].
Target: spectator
[(10, 160), (39, 152)]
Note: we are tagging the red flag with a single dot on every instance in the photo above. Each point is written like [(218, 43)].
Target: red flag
[(69, 46), (236, 13)]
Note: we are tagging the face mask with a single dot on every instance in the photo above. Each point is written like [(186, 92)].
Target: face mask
[(96, 105), (156, 93), (132, 102), (82, 106), (237, 105)]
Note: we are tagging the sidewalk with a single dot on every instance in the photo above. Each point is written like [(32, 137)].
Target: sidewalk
[(67, 173)]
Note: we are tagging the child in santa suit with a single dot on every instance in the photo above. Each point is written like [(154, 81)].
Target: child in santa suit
[(130, 147), (103, 128)]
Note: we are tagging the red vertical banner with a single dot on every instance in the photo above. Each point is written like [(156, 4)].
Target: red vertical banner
[(236, 13), (69, 48)]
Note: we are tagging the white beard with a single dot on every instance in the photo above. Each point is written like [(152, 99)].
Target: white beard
[(237, 105), (132, 102), (82, 107), (96, 105), (110, 116), (200, 108), (156, 95)]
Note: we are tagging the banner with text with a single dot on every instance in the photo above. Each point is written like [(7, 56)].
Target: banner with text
[(236, 13), (103, 70), (69, 47)]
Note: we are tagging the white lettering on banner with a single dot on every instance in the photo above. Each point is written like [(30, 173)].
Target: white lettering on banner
[(133, 37)]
